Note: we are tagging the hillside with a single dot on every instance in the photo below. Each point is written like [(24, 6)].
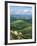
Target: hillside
[(21, 27)]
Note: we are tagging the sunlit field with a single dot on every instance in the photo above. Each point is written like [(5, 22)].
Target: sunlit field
[(20, 25)]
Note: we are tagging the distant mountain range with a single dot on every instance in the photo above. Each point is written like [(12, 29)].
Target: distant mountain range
[(22, 16)]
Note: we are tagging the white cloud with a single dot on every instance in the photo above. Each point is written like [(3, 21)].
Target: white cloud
[(27, 11), (23, 11)]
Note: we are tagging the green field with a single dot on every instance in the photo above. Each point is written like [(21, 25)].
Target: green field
[(20, 29)]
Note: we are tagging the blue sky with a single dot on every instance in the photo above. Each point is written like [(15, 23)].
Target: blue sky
[(20, 10)]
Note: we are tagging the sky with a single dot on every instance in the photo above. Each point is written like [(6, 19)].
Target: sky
[(20, 10)]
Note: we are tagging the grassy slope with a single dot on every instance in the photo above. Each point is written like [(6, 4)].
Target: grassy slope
[(21, 30)]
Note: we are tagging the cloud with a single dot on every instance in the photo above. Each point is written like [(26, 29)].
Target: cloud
[(24, 11), (27, 11)]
